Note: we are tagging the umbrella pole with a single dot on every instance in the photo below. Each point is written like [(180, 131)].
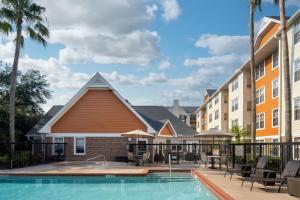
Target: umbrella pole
[(137, 152)]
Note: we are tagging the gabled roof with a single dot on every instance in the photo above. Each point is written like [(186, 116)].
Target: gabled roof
[(190, 109), (167, 122), (155, 116), (97, 81), (210, 92)]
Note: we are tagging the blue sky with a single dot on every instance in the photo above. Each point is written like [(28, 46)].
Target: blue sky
[(152, 51)]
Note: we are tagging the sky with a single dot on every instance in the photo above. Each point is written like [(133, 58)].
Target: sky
[(151, 51)]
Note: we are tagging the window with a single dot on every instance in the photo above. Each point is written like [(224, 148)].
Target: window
[(217, 100), (296, 32), (182, 118), (297, 70), (58, 148), (260, 121), (235, 123), (260, 95), (275, 117), (209, 104), (275, 59), (217, 114), (297, 108), (234, 84), (142, 146), (79, 145), (210, 118), (235, 104), (260, 70), (275, 89)]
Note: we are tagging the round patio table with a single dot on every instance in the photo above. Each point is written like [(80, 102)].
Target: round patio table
[(213, 157)]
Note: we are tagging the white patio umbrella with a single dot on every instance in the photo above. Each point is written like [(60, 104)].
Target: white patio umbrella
[(137, 134)]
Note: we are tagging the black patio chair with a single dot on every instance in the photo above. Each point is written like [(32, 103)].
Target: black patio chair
[(261, 164), (291, 169)]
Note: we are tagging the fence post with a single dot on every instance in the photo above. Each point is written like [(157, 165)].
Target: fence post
[(245, 154), (30, 153), (233, 155), (10, 155), (260, 150), (46, 153)]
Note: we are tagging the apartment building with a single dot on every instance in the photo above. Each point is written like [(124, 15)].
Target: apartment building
[(293, 32)]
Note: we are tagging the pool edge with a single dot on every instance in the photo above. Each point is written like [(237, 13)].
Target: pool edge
[(220, 193)]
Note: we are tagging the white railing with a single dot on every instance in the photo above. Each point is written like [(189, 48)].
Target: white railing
[(93, 158)]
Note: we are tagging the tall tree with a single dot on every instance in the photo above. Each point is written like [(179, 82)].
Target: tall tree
[(22, 15), (286, 71)]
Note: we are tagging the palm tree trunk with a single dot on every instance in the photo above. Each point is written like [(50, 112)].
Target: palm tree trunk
[(13, 81), (286, 73), (253, 83)]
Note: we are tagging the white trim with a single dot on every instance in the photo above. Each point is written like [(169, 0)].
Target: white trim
[(259, 121), (264, 95), (268, 137), (168, 121), (98, 135), (264, 70), (89, 85), (84, 146), (273, 88), (53, 146), (273, 118)]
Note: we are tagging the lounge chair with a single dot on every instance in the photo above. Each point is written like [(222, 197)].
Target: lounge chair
[(145, 158), (261, 164), (290, 170), (224, 160), (129, 156), (204, 159)]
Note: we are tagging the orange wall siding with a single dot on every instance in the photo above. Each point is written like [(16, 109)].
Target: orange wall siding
[(269, 34), (98, 111), (167, 131), (269, 104)]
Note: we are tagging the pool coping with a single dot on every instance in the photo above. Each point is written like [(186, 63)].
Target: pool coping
[(216, 190)]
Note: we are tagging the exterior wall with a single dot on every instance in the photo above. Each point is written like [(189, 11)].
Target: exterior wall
[(201, 118), (269, 103), (269, 34), (294, 54), (98, 111), (243, 93), (222, 122), (167, 130)]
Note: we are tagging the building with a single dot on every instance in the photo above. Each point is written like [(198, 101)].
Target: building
[(92, 122), (187, 114)]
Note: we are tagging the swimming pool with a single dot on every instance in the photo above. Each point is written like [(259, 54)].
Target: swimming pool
[(158, 186)]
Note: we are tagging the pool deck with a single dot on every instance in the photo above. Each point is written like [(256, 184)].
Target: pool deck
[(214, 179)]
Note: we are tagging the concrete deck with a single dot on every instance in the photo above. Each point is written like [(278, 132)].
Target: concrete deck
[(233, 187)]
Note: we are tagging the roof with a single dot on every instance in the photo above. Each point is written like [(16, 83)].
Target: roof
[(97, 81), (53, 111), (190, 109), (156, 116), (210, 92)]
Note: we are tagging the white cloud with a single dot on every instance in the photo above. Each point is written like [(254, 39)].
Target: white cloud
[(223, 44), (164, 64), (104, 32), (171, 10)]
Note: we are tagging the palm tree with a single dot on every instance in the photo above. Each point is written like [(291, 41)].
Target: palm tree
[(253, 5), (286, 71), (22, 15)]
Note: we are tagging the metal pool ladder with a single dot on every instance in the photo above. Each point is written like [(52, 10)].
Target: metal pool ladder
[(93, 158)]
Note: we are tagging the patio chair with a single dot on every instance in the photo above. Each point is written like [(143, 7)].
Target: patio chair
[(291, 169), (130, 157), (224, 159), (261, 164), (204, 159), (145, 158)]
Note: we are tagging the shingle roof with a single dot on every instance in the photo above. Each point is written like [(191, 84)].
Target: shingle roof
[(189, 109), (210, 91), (155, 115), (45, 119)]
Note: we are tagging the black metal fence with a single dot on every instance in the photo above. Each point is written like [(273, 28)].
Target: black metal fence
[(16, 155), (278, 154)]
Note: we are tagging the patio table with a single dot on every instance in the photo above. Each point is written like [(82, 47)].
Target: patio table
[(213, 157)]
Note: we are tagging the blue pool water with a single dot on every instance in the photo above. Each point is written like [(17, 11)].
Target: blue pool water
[(155, 186)]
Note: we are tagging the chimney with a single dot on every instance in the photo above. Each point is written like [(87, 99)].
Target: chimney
[(175, 103)]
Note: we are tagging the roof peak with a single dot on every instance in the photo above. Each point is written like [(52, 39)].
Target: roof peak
[(98, 81)]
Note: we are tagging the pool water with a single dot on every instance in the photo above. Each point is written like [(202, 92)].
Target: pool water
[(156, 186)]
